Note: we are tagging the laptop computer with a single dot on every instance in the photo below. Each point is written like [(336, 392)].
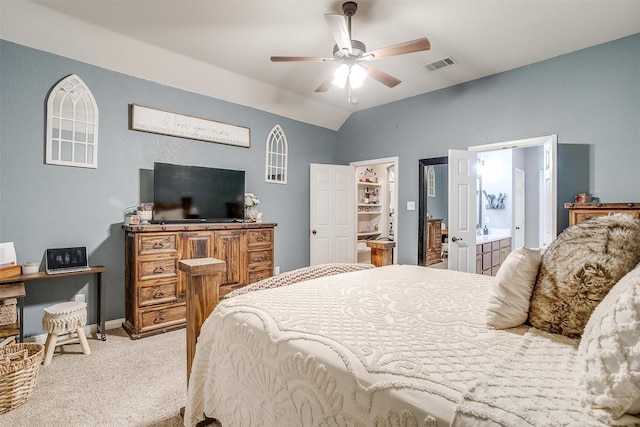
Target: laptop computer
[(67, 260)]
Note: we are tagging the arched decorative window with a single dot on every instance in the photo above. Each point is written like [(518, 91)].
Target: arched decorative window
[(72, 125), (276, 157), (431, 181)]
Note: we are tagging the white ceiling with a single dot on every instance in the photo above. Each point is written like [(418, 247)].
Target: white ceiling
[(485, 37)]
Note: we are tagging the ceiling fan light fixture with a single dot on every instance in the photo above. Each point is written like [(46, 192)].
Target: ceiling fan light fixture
[(341, 75), (357, 76)]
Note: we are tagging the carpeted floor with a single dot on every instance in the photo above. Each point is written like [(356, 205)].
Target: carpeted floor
[(123, 382)]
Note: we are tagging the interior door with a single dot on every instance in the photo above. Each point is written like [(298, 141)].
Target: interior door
[(332, 236), (519, 210), (462, 208)]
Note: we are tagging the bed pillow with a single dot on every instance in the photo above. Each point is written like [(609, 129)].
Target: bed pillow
[(508, 304), (579, 268), (608, 354), (299, 275)]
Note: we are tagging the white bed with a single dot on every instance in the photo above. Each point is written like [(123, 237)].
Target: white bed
[(392, 346)]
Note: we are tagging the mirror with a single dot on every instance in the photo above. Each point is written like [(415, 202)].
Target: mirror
[(432, 211)]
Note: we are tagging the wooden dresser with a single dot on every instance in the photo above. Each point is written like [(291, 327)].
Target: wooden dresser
[(434, 241), (579, 212), (155, 288)]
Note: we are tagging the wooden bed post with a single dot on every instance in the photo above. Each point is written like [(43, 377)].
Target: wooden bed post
[(204, 276)]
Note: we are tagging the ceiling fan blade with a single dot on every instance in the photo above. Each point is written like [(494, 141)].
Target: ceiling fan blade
[(299, 59), (325, 85), (339, 30), (401, 48), (384, 78)]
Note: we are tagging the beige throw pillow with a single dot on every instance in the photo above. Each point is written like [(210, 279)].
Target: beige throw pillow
[(609, 356), (508, 304), (579, 268)]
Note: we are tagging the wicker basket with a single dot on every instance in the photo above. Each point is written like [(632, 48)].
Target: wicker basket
[(8, 311), (19, 366)]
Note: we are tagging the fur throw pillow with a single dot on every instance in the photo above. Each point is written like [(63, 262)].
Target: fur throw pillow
[(579, 268)]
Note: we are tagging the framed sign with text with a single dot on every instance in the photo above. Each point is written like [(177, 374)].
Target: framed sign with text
[(152, 120)]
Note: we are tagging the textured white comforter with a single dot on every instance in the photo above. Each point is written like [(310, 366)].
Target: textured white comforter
[(392, 346)]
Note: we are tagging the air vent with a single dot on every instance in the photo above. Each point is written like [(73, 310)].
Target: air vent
[(441, 63)]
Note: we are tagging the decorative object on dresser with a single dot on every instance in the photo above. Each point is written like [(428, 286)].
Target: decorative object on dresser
[(155, 288), (251, 212), (579, 212)]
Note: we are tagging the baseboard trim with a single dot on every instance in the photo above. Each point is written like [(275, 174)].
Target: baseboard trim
[(88, 330)]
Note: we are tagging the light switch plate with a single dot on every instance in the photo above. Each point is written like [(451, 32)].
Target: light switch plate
[(411, 205)]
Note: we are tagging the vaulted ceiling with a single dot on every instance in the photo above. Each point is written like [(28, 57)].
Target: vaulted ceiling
[(225, 46)]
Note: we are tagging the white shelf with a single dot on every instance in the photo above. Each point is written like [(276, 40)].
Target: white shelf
[(369, 233), (370, 213), (372, 184)]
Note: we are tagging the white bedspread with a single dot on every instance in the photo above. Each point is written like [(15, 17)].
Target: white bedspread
[(390, 346)]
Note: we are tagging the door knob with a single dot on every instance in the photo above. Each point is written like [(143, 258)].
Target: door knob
[(455, 239), (313, 232)]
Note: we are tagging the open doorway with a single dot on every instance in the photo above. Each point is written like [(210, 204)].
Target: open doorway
[(527, 155)]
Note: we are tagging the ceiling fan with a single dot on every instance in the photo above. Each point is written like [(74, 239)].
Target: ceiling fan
[(353, 56)]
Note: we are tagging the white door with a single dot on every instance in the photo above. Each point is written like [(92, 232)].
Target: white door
[(519, 210), (331, 214), (462, 208)]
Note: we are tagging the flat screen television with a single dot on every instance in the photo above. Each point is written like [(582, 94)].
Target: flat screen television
[(198, 194)]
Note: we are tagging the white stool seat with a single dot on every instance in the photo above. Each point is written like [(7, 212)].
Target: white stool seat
[(63, 319)]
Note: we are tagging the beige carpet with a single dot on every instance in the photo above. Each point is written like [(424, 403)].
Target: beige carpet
[(123, 382)]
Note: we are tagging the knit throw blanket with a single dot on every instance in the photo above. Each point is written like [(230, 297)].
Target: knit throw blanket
[(530, 387)]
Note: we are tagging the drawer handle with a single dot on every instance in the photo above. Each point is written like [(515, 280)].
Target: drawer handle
[(158, 269), (158, 245), (159, 318), (260, 258), (260, 237), (158, 294)]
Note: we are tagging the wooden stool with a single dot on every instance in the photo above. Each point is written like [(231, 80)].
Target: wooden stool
[(64, 319)]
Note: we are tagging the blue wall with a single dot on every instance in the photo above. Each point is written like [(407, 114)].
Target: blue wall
[(587, 97), (55, 206)]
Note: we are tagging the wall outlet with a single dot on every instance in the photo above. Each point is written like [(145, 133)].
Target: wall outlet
[(80, 298), (487, 220), (276, 270), (411, 206)]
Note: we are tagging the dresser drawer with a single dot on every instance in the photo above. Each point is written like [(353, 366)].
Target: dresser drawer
[(260, 238), (157, 269), (257, 275), (158, 293), (157, 244), (257, 258), (162, 317)]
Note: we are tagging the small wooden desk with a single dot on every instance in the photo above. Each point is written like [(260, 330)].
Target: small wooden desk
[(13, 287)]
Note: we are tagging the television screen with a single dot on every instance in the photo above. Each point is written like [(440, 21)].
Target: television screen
[(183, 193)]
